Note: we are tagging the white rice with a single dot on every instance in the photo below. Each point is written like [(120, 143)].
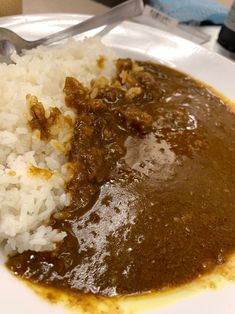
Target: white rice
[(26, 201)]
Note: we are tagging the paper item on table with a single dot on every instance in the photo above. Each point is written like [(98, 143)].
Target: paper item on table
[(154, 17)]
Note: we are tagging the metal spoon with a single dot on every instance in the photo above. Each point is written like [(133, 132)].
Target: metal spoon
[(10, 42)]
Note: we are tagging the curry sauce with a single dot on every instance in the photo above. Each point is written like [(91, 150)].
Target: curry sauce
[(152, 190)]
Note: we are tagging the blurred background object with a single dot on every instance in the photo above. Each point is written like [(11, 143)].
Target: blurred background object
[(194, 12), (110, 3), (10, 7), (227, 33)]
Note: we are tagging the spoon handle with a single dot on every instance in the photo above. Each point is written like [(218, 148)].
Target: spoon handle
[(119, 13)]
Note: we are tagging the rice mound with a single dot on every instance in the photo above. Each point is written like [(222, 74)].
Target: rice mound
[(27, 201)]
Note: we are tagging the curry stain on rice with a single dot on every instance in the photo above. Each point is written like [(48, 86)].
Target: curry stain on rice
[(101, 62), (11, 173), (41, 172), (38, 119)]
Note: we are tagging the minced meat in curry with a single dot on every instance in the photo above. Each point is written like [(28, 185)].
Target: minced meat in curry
[(153, 185)]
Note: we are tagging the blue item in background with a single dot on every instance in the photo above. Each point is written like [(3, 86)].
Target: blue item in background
[(193, 11)]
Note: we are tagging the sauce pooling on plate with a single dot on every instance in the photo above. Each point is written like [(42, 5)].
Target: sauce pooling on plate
[(152, 189)]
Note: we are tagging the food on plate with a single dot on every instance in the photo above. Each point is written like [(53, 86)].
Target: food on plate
[(133, 165), (27, 197)]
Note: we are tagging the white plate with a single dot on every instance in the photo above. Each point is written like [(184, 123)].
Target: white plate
[(141, 42)]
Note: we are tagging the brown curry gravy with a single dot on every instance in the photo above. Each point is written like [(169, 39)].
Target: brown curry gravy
[(152, 190)]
